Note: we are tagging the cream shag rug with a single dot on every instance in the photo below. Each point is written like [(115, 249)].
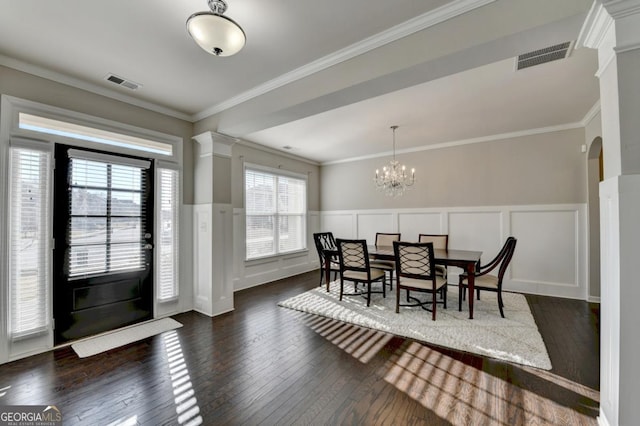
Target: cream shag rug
[(124, 336), (515, 338)]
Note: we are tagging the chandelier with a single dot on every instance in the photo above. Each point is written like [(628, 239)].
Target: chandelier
[(214, 32), (393, 180)]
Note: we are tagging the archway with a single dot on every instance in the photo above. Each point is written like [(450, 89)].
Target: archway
[(594, 176)]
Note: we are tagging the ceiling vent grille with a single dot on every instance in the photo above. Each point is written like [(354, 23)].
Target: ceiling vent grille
[(132, 85), (541, 56)]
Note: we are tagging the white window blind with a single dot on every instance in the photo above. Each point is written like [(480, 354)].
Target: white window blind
[(167, 269), (29, 241), (276, 211), (107, 217)]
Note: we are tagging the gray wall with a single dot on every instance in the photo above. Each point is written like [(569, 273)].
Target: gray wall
[(538, 169), (246, 154), (37, 89)]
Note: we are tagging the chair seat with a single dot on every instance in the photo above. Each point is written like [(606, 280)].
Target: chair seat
[(483, 281), (334, 266), (422, 284), (387, 265), (362, 276)]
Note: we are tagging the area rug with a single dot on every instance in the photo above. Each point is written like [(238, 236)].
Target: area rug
[(515, 338), (104, 342)]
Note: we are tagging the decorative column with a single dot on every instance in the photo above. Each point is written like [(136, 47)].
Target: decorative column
[(213, 225), (613, 27)]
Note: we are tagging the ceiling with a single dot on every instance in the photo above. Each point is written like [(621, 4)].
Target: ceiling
[(325, 82)]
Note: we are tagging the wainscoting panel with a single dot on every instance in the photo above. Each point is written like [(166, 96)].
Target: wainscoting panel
[(370, 223), (342, 224), (260, 271), (410, 225), (550, 257), (556, 248)]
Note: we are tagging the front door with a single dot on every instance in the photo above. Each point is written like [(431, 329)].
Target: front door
[(102, 261)]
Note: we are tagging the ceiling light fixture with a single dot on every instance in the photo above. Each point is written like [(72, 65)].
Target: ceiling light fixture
[(215, 33), (394, 179)]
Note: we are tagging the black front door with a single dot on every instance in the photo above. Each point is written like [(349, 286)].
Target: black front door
[(102, 261)]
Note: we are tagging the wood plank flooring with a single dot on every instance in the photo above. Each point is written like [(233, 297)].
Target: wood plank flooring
[(262, 364)]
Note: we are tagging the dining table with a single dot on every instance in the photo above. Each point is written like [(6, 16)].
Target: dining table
[(465, 259)]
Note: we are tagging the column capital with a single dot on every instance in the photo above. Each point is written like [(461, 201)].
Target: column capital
[(214, 143)]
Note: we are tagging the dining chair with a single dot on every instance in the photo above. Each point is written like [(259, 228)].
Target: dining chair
[(353, 257), (415, 272), (440, 241), (489, 282), (326, 241), (385, 239)]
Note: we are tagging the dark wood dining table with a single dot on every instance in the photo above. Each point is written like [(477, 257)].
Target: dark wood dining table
[(465, 259)]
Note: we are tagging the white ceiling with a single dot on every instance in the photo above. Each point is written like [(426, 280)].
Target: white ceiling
[(326, 81)]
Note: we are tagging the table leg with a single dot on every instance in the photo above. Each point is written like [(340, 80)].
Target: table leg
[(471, 269)]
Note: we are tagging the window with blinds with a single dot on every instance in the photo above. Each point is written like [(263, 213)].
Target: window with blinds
[(29, 241), (107, 216), (276, 211), (167, 259)]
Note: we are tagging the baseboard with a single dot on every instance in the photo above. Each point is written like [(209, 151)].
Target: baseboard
[(593, 299), (602, 419)]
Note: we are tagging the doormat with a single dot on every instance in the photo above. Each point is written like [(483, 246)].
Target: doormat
[(124, 336)]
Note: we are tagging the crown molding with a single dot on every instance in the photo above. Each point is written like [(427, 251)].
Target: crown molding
[(622, 8), (89, 87), (482, 139), (595, 27), (419, 23), (270, 150), (595, 109), (214, 143)]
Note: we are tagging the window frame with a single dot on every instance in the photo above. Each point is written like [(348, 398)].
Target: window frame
[(277, 173)]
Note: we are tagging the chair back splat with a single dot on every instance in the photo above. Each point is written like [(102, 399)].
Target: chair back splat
[(415, 271), (440, 241), (353, 258)]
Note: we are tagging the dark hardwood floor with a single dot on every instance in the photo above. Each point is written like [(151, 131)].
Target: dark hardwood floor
[(262, 364)]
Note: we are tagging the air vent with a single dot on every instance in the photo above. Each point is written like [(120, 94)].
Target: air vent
[(541, 56), (122, 82)]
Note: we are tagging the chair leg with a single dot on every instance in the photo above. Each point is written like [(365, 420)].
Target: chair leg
[(433, 311), (444, 292), (460, 287), (341, 288), (397, 298), (478, 293), (368, 293), (384, 285), (500, 304)]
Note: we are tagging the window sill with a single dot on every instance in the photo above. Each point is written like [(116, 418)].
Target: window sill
[(276, 257)]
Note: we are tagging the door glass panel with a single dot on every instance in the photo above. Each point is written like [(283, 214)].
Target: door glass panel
[(88, 230), (125, 203), (125, 229), (106, 217), (88, 202)]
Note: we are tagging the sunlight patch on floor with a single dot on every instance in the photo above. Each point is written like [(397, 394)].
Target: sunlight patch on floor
[(463, 394), (185, 401)]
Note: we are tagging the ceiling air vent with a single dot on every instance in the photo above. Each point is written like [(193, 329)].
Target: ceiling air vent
[(541, 56), (132, 85)]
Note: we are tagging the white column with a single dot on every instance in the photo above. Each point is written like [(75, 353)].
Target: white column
[(613, 28), (212, 231)]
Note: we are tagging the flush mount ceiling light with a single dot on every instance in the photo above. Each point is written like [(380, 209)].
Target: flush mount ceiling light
[(215, 33)]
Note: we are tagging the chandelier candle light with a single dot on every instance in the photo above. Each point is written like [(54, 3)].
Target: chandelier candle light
[(393, 180)]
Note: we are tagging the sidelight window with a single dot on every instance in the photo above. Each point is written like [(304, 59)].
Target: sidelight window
[(29, 240)]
